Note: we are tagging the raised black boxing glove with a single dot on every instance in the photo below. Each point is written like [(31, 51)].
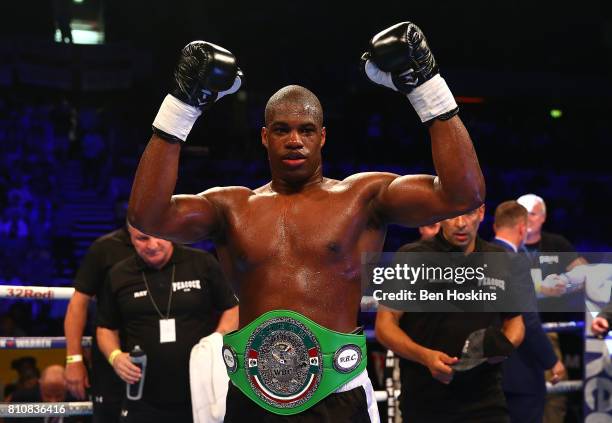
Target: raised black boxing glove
[(400, 58), (204, 74)]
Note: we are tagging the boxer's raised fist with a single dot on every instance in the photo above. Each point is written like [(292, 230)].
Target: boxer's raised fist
[(205, 72), (402, 51), (399, 58)]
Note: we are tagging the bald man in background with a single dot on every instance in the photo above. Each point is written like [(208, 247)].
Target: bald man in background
[(51, 388)]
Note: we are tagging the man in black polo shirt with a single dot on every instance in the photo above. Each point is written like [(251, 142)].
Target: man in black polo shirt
[(429, 344), (164, 300), (106, 387)]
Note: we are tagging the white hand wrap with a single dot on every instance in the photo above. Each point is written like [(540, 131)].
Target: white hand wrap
[(175, 117), (432, 98)]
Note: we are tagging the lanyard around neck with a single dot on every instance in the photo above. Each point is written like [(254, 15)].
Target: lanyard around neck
[(144, 278)]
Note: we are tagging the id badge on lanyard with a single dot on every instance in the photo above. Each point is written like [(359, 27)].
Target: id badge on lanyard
[(167, 331), (167, 326)]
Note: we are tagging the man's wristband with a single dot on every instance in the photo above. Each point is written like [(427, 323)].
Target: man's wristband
[(74, 358), (113, 355)]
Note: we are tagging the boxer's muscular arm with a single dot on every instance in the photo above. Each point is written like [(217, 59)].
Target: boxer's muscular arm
[(204, 74), (399, 58), (422, 199), (154, 210)]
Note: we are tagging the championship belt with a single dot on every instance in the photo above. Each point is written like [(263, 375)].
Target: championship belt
[(286, 363)]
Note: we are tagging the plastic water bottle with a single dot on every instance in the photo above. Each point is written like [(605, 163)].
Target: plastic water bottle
[(138, 358)]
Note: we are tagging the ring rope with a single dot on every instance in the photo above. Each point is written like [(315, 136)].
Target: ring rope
[(39, 342), (562, 326), (19, 292), (59, 342), (368, 303), (46, 409)]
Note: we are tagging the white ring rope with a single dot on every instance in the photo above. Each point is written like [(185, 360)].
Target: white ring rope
[(564, 386), (46, 409), (19, 292), (39, 342)]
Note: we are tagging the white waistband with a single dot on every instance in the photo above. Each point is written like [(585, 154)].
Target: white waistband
[(360, 380)]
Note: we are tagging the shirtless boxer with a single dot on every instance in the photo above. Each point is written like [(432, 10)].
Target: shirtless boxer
[(294, 245)]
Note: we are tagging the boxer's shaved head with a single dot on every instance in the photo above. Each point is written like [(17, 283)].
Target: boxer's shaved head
[(294, 97)]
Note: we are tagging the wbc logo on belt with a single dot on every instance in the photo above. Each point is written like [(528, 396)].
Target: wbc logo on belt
[(283, 362), (347, 358), (229, 358)]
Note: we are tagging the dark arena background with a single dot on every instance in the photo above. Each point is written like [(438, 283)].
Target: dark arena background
[(533, 80)]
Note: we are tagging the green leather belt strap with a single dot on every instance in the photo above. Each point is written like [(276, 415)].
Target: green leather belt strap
[(286, 363)]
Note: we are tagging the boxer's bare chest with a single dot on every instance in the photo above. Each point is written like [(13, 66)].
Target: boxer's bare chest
[(322, 226)]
